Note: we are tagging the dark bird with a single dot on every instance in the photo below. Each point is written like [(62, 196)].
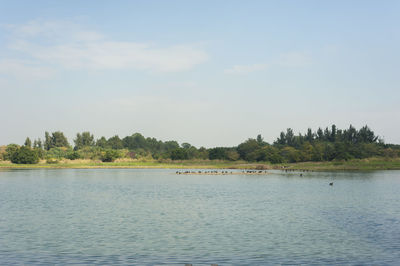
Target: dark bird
[(331, 183)]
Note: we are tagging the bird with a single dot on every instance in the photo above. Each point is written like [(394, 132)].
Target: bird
[(331, 183)]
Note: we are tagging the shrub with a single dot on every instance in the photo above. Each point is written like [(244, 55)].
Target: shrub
[(73, 155), (52, 161), (25, 155), (110, 156), (10, 150), (58, 152)]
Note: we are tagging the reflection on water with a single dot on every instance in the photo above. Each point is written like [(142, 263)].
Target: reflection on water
[(131, 216)]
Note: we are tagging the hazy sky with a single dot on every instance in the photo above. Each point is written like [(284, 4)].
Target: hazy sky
[(205, 72)]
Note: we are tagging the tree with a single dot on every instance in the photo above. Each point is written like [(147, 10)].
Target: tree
[(178, 154), (25, 155), (186, 145), (246, 149), (271, 154), (290, 154), (260, 140), (350, 134), (309, 136), (320, 134), (10, 150), (47, 141), (327, 134), (84, 140), (134, 142), (110, 155), (217, 153), (28, 142), (170, 145), (281, 139), (333, 133), (115, 143), (289, 137), (102, 142), (57, 139), (37, 144), (366, 135)]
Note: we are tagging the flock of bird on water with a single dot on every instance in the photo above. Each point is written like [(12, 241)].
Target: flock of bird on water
[(247, 172)]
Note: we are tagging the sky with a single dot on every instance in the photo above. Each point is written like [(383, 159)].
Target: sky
[(211, 73)]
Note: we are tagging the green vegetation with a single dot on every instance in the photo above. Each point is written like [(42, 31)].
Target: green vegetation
[(24, 155), (330, 148)]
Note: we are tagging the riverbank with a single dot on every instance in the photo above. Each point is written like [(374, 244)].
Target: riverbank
[(351, 165)]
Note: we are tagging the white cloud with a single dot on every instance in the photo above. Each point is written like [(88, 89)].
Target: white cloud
[(292, 59), (66, 45), (240, 69), (24, 69)]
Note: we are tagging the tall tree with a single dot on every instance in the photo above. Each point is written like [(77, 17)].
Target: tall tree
[(333, 133), (320, 134), (289, 137), (115, 142), (37, 144), (102, 142), (57, 139), (28, 143), (83, 140), (47, 141), (260, 140), (309, 136)]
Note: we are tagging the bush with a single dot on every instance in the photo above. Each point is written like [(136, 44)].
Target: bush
[(52, 161), (58, 153), (25, 155), (10, 150), (110, 156), (73, 155)]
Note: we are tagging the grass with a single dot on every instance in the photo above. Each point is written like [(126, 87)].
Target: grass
[(362, 165), (351, 165)]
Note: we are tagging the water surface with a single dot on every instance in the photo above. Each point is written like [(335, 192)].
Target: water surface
[(148, 217)]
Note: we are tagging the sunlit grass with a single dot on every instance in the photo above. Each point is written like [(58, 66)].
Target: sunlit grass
[(362, 164)]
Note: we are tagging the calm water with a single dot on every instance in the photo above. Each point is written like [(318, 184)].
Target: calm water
[(147, 217)]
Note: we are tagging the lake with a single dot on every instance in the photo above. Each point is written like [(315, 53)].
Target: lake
[(148, 217)]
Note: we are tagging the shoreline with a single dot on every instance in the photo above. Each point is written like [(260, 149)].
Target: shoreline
[(370, 164)]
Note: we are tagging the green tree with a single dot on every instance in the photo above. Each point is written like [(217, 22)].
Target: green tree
[(260, 140), (57, 139), (37, 144), (28, 142), (25, 155), (110, 155), (271, 154), (217, 153), (102, 142), (115, 143), (333, 133), (134, 142), (289, 136), (248, 150), (309, 136), (10, 150), (83, 140), (179, 154), (47, 141), (320, 134), (281, 139), (291, 155)]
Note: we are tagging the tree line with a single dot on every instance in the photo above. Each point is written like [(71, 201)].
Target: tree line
[(326, 144)]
